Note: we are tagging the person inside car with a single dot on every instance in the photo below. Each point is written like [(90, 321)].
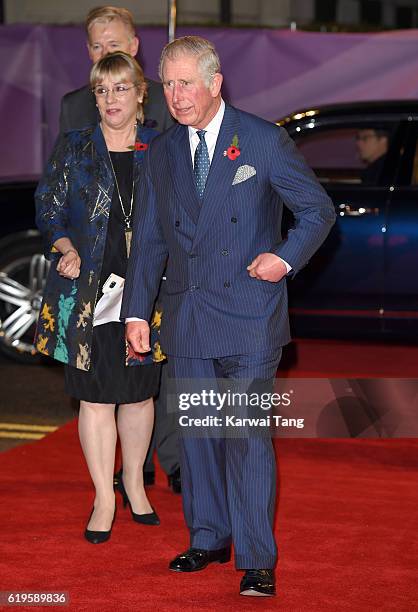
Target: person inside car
[(372, 146)]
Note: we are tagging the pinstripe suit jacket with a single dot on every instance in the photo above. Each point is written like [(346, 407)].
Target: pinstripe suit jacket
[(212, 307)]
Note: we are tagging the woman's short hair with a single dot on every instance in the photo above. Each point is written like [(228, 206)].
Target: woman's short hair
[(205, 52), (106, 14), (121, 67)]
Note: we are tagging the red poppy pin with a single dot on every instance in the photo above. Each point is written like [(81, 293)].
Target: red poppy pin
[(233, 151), (139, 146)]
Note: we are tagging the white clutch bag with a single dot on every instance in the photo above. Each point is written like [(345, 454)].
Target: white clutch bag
[(108, 307)]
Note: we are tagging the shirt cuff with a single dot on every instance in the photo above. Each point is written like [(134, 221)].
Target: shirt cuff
[(129, 319), (288, 267)]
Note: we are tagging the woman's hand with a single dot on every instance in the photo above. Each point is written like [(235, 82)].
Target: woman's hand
[(69, 264)]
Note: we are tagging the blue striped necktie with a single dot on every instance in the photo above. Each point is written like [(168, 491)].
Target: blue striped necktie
[(201, 164)]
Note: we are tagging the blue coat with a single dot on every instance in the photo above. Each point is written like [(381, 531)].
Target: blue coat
[(212, 307), (73, 199)]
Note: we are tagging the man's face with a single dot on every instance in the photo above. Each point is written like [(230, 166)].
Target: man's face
[(106, 38), (189, 99), (370, 145)]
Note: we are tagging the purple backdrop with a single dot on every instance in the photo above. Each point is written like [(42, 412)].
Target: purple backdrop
[(267, 72)]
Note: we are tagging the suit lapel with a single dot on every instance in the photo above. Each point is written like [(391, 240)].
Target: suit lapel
[(182, 171), (221, 173), (139, 155)]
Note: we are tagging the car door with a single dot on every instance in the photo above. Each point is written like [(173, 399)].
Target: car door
[(343, 286), (401, 241)]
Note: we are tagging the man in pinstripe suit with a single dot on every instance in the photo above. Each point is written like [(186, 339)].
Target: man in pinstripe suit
[(211, 202)]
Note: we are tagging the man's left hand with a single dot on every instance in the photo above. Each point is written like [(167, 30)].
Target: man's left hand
[(267, 267)]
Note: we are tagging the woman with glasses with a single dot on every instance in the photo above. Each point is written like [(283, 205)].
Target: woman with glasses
[(84, 208)]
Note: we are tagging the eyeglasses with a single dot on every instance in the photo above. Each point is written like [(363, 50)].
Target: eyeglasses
[(119, 91)]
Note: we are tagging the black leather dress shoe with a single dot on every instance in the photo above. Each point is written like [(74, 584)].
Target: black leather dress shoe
[(149, 478), (196, 559), (258, 582), (174, 481)]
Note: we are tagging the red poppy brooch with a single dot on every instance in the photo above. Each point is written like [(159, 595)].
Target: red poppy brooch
[(233, 151), (139, 146)]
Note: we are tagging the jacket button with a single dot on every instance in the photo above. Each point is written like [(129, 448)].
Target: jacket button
[(193, 287), (225, 252), (227, 284), (192, 255), (177, 223), (234, 219)]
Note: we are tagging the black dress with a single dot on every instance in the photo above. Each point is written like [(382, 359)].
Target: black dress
[(109, 381)]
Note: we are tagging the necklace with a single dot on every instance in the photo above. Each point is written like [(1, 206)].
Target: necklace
[(126, 215)]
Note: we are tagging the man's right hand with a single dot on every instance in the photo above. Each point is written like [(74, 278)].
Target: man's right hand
[(137, 335)]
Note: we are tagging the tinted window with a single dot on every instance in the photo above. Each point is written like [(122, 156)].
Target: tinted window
[(354, 155)]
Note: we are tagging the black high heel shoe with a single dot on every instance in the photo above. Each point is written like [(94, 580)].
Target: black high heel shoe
[(98, 537), (151, 518)]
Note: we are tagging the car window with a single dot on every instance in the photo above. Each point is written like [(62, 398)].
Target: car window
[(351, 155)]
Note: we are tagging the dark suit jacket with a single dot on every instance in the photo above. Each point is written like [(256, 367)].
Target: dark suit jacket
[(78, 109), (212, 307), (371, 174)]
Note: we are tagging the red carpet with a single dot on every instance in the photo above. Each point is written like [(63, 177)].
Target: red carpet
[(346, 527), (344, 359)]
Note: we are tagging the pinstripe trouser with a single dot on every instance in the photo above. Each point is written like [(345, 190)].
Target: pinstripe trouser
[(229, 484)]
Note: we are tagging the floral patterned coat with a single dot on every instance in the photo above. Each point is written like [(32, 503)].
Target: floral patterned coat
[(73, 199)]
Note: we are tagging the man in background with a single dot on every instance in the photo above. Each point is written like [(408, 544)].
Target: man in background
[(112, 29), (372, 146)]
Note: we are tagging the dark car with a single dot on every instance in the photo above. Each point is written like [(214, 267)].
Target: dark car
[(361, 281), (23, 269)]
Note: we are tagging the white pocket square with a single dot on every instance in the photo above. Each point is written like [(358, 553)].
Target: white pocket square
[(243, 174)]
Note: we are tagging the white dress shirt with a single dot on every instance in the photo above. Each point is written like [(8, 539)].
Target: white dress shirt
[(211, 135)]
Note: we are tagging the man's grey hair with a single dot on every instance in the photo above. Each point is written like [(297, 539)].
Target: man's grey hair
[(195, 46)]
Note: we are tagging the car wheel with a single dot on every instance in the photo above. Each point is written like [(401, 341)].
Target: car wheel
[(23, 273)]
